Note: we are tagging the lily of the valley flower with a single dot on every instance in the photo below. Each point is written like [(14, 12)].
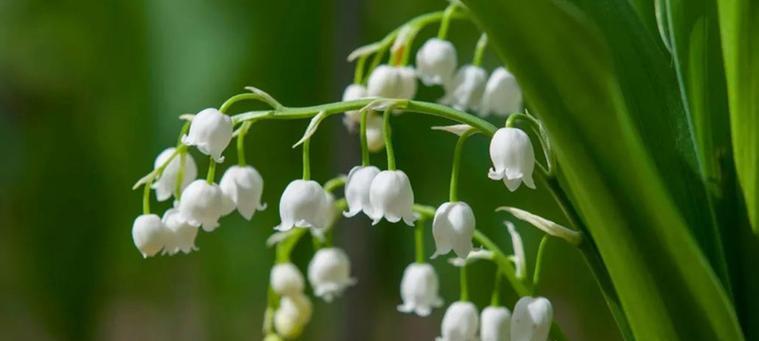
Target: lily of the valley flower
[(293, 314), (419, 289), (391, 197), (180, 235), (286, 280), (495, 324), (243, 185), (302, 205), (532, 319), (357, 189), (203, 204), (329, 273), (465, 91), (513, 158), (353, 117), (148, 234), (326, 217), (375, 140), (210, 132), (392, 82), (460, 322), (166, 184), (453, 227), (436, 62), (502, 96)]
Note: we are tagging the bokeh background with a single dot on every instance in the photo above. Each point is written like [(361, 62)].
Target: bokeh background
[(90, 92)]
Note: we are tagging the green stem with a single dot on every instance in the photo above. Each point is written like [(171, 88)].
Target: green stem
[(463, 284), (387, 133), (358, 74), (365, 160), (479, 50), (180, 175), (307, 159), (539, 261), (236, 98), (442, 32), (419, 241), (241, 142), (211, 170), (495, 297), (146, 197), (456, 167)]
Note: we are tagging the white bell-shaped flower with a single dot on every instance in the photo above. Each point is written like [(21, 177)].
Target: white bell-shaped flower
[(202, 204), (502, 96), (244, 186), (460, 322), (302, 205), (452, 228), (353, 117), (293, 314), (329, 273), (392, 82), (148, 234), (419, 289), (286, 280), (326, 217), (165, 184), (495, 324), (180, 235), (391, 197), (436, 62), (210, 132), (513, 158), (357, 189), (465, 91), (375, 139), (531, 320)]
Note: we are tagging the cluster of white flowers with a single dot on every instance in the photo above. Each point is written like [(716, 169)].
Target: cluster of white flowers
[(531, 321)]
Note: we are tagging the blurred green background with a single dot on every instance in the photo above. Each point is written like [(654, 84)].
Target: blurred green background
[(90, 92)]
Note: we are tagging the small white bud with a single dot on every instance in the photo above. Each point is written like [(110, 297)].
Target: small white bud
[(329, 273), (452, 228), (503, 96), (419, 289), (392, 82), (148, 234), (460, 322), (465, 91), (357, 189), (243, 185), (531, 320), (286, 280), (513, 158), (180, 235), (375, 139), (302, 205), (293, 314), (165, 184), (436, 62), (202, 204), (353, 117), (495, 324), (210, 132), (392, 198)]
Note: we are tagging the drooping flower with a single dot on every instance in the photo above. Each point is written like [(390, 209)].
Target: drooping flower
[(166, 184), (452, 228), (502, 96), (353, 117), (329, 273), (357, 189), (436, 62), (392, 82), (293, 314), (202, 204), (513, 158), (148, 234), (180, 235), (460, 322), (391, 197), (374, 130), (326, 217), (465, 91), (302, 205), (210, 132), (285, 279), (243, 185), (419, 289), (495, 324), (531, 320)]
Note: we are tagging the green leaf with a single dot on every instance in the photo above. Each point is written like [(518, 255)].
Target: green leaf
[(739, 27), (626, 154)]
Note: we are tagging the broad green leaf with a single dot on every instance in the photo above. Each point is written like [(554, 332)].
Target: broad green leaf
[(739, 28), (622, 169)]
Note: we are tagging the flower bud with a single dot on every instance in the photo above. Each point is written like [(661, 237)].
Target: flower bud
[(293, 314), (375, 139), (531, 320), (302, 205), (149, 234), (436, 62), (180, 235), (452, 228), (329, 273), (465, 91), (165, 184), (419, 289), (391, 197), (243, 185), (353, 117), (460, 322), (357, 189), (494, 324), (392, 82), (513, 158), (502, 94), (210, 132), (202, 204), (286, 280)]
